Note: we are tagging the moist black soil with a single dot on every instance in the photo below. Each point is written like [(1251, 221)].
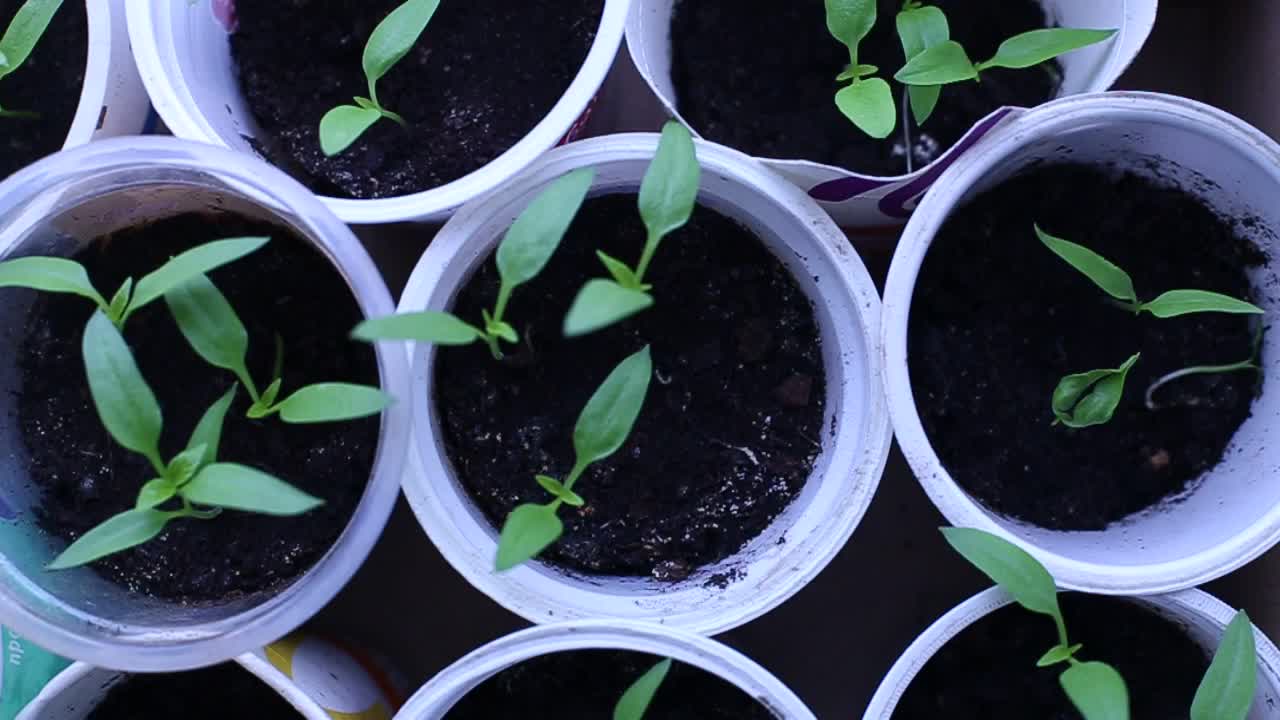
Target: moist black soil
[(216, 693), (731, 425), (759, 76), (997, 320), (49, 83), (588, 683), (988, 671), (286, 287), (481, 77)]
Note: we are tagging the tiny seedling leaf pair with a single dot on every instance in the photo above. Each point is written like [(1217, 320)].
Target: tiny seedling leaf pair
[(1090, 398), (1096, 689), (25, 30), (602, 428), (635, 702), (867, 100), (390, 41), (525, 250)]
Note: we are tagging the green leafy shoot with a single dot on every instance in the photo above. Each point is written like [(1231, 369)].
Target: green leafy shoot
[(1096, 689), (921, 27), (1227, 690), (1090, 398), (525, 250), (390, 41), (25, 30), (866, 100), (668, 195), (634, 703), (602, 428), (59, 275), (191, 485), (214, 330)]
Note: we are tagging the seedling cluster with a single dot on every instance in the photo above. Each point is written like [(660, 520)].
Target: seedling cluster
[(1095, 688), (19, 39)]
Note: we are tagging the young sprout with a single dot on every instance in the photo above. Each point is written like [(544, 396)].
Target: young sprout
[(1096, 689), (634, 703), (203, 486), (668, 195), (391, 40), (1250, 364), (1091, 398), (26, 29), (523, 253), (60, 275), (867, 100), (602, 428), (921, 27)]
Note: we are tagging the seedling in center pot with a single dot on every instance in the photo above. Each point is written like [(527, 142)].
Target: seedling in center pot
[(867, 100), (28, 26), (193, 479), (1096, 689), (602, 428), (634, 703), (523, 253), (668, 195), (391, 40), (1091, 398)]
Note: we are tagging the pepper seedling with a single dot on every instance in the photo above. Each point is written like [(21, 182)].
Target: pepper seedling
[(525, 250), (668, 195), (1096, 689), (25, 30), (204, 487), (602, 428), (390, 41), (1251, 365), (867, 100), (635, 702), (1091, 398)]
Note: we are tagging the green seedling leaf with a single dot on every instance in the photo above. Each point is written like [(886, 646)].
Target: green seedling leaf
[(634, 703), (529, 529), (208, 432), (184, 465), (394, 37), (621, 272), (849, 22), (941, 64), (125, 403), (560, 492), (611, 412), (1097, 691), (263, 407), (1186, 302), (189, 265), (50, 274), (343, 125), (535, 235), (1105, 274), (921, 28), (25, 30), (1058, 654), (854, 72), (211, 325), (120, 301), (1226, 692), (503, 330), (427, 326), (332, 402), (155, 493), (237, 487), (1038, 46), (601, 303), (1090, 398), (121, 532), (869, 106), (669, 190), (1010, 567)]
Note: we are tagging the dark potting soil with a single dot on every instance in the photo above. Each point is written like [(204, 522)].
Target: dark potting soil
[(481, 77), (997, 320), (988, 671), (759, 76), (49, 83), (215, 693), (731, 425), (286, 287), (588, 683)]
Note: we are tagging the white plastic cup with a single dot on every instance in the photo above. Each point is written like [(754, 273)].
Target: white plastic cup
[(444, 691), (319, 679), (112, 99), (1229, 516), (815, 526), (56, 206), (865, 201), (1201, 615), (184, 55)]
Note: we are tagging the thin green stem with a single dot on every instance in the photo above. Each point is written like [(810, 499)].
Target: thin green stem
[(242, 373), (574, 474), (1133, 307), (19, 114), (393, 116), (492, 341), (153, 456), (650, 247), (1062, 630), (500, 308), (1197, 370)]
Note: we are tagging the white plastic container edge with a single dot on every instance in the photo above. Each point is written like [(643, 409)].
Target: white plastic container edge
[(864, 201), (1204, 617), (815, 526), (112, 99), (1232, 514), (435, 698), (185, 60)]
